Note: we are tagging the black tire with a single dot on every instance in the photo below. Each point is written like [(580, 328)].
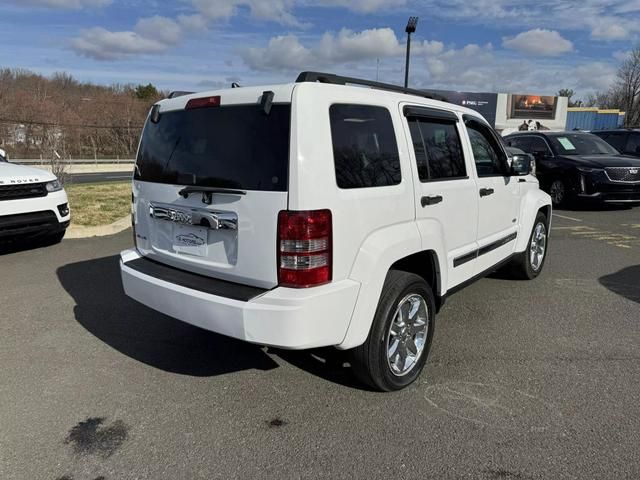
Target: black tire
[(522, 266), (370, 360), (559, 193)]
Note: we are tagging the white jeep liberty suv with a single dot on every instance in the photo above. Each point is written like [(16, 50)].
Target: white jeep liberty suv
[(321, 213)]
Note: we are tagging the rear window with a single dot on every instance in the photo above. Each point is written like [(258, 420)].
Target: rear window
[(227, 147), (365, 151)]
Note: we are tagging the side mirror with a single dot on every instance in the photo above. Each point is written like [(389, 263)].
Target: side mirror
[(540, 154), (520, 165)]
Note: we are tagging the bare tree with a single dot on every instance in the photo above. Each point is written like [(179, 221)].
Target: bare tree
[(628, 87)]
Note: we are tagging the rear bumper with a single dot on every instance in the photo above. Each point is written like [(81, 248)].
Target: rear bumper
[(282, 317)]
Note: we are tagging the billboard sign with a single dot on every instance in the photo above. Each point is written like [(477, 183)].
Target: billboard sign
[(535, 107), (483, 103)]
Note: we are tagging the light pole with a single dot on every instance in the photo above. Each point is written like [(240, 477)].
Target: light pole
[(411, 28)]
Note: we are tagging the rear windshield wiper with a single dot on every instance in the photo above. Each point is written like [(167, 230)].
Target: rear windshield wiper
[(186, 191)]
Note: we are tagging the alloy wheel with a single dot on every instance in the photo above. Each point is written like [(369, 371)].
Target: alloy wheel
[(538, 247), (407, 335)]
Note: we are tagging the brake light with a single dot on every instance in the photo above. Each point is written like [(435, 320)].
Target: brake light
[(304, 248), (203, 102)]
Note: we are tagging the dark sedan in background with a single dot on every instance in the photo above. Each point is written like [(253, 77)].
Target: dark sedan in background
[(575, 166), (625, 140)]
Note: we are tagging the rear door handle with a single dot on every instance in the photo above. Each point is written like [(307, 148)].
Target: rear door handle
[(485, 192), (431, 200)]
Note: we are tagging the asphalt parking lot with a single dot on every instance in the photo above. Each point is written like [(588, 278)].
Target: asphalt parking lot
[(525, 380)]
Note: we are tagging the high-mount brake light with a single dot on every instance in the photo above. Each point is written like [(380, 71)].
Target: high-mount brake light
[(203, 102), (304, 248)]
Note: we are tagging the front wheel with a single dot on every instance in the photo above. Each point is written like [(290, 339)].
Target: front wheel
[(558, 193), (528, 264), (398, 344)]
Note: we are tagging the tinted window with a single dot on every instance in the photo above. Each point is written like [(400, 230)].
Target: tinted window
[(538, 145), (522, 143), (581, 144), (616, 140), (229, 147), (365, 151), (488, 155), (438, 149), (634, 144)]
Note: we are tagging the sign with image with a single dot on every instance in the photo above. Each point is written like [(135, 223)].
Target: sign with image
[(534, 107), (483, 103)]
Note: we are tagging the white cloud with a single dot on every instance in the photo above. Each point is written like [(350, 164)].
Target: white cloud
[(66, 4), (364, 6), (347, 46), (279, 11), (161, 29), (604, 19), (609, 31), (101, 44), (539, 42)]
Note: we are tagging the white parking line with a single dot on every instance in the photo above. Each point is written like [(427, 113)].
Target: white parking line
[(567, 218)]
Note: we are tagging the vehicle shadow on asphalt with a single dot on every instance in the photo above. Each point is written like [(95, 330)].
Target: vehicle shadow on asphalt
[(104, 310), (625, 283)]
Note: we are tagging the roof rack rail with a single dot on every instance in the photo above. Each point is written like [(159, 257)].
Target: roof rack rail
[(178, 93), (339, 80)]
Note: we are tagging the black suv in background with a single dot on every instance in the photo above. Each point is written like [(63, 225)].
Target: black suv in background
[(580, 166), (625, 140)]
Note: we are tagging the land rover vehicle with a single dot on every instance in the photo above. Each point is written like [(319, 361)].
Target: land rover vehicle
[(33, 204), (321, 213), (580, 166)]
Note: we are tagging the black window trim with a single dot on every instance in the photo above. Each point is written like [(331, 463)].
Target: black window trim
[(428, 112), (424, 146), (472, 118)]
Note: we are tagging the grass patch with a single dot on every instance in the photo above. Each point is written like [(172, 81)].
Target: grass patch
[(95, 204)]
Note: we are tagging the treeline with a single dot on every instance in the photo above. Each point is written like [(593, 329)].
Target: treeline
[(58, 115), (624, 94)]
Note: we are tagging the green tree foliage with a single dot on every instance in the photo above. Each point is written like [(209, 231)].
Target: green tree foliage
[(146, 92)]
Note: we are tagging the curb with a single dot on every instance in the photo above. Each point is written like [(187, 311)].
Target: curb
[(79, 231)]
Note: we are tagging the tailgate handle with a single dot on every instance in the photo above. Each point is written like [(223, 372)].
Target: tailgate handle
[(213, 220)]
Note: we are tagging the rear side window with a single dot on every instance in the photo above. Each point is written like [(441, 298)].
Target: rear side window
[(228, 147), (438, 149), (616, 140), (365, 151)]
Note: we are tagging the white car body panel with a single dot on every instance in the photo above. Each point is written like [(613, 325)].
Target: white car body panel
[(372, 229)]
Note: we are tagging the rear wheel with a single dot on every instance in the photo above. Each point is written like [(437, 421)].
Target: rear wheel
[(528, 264), (398, 344)]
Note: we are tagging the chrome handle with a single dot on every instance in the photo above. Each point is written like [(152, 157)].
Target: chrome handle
[(214, 220)]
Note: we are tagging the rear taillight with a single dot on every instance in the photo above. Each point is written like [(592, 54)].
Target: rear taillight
[(304, 248)]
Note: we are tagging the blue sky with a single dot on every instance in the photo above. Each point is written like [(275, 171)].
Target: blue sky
[(500, 45)]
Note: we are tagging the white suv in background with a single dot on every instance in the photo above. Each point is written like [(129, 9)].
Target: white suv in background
[(324, 214), (33, 204)]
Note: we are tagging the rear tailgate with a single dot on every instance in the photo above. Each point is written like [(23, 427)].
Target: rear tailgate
[(208, 186)]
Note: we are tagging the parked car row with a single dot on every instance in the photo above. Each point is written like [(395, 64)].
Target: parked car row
[(580, 166)]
